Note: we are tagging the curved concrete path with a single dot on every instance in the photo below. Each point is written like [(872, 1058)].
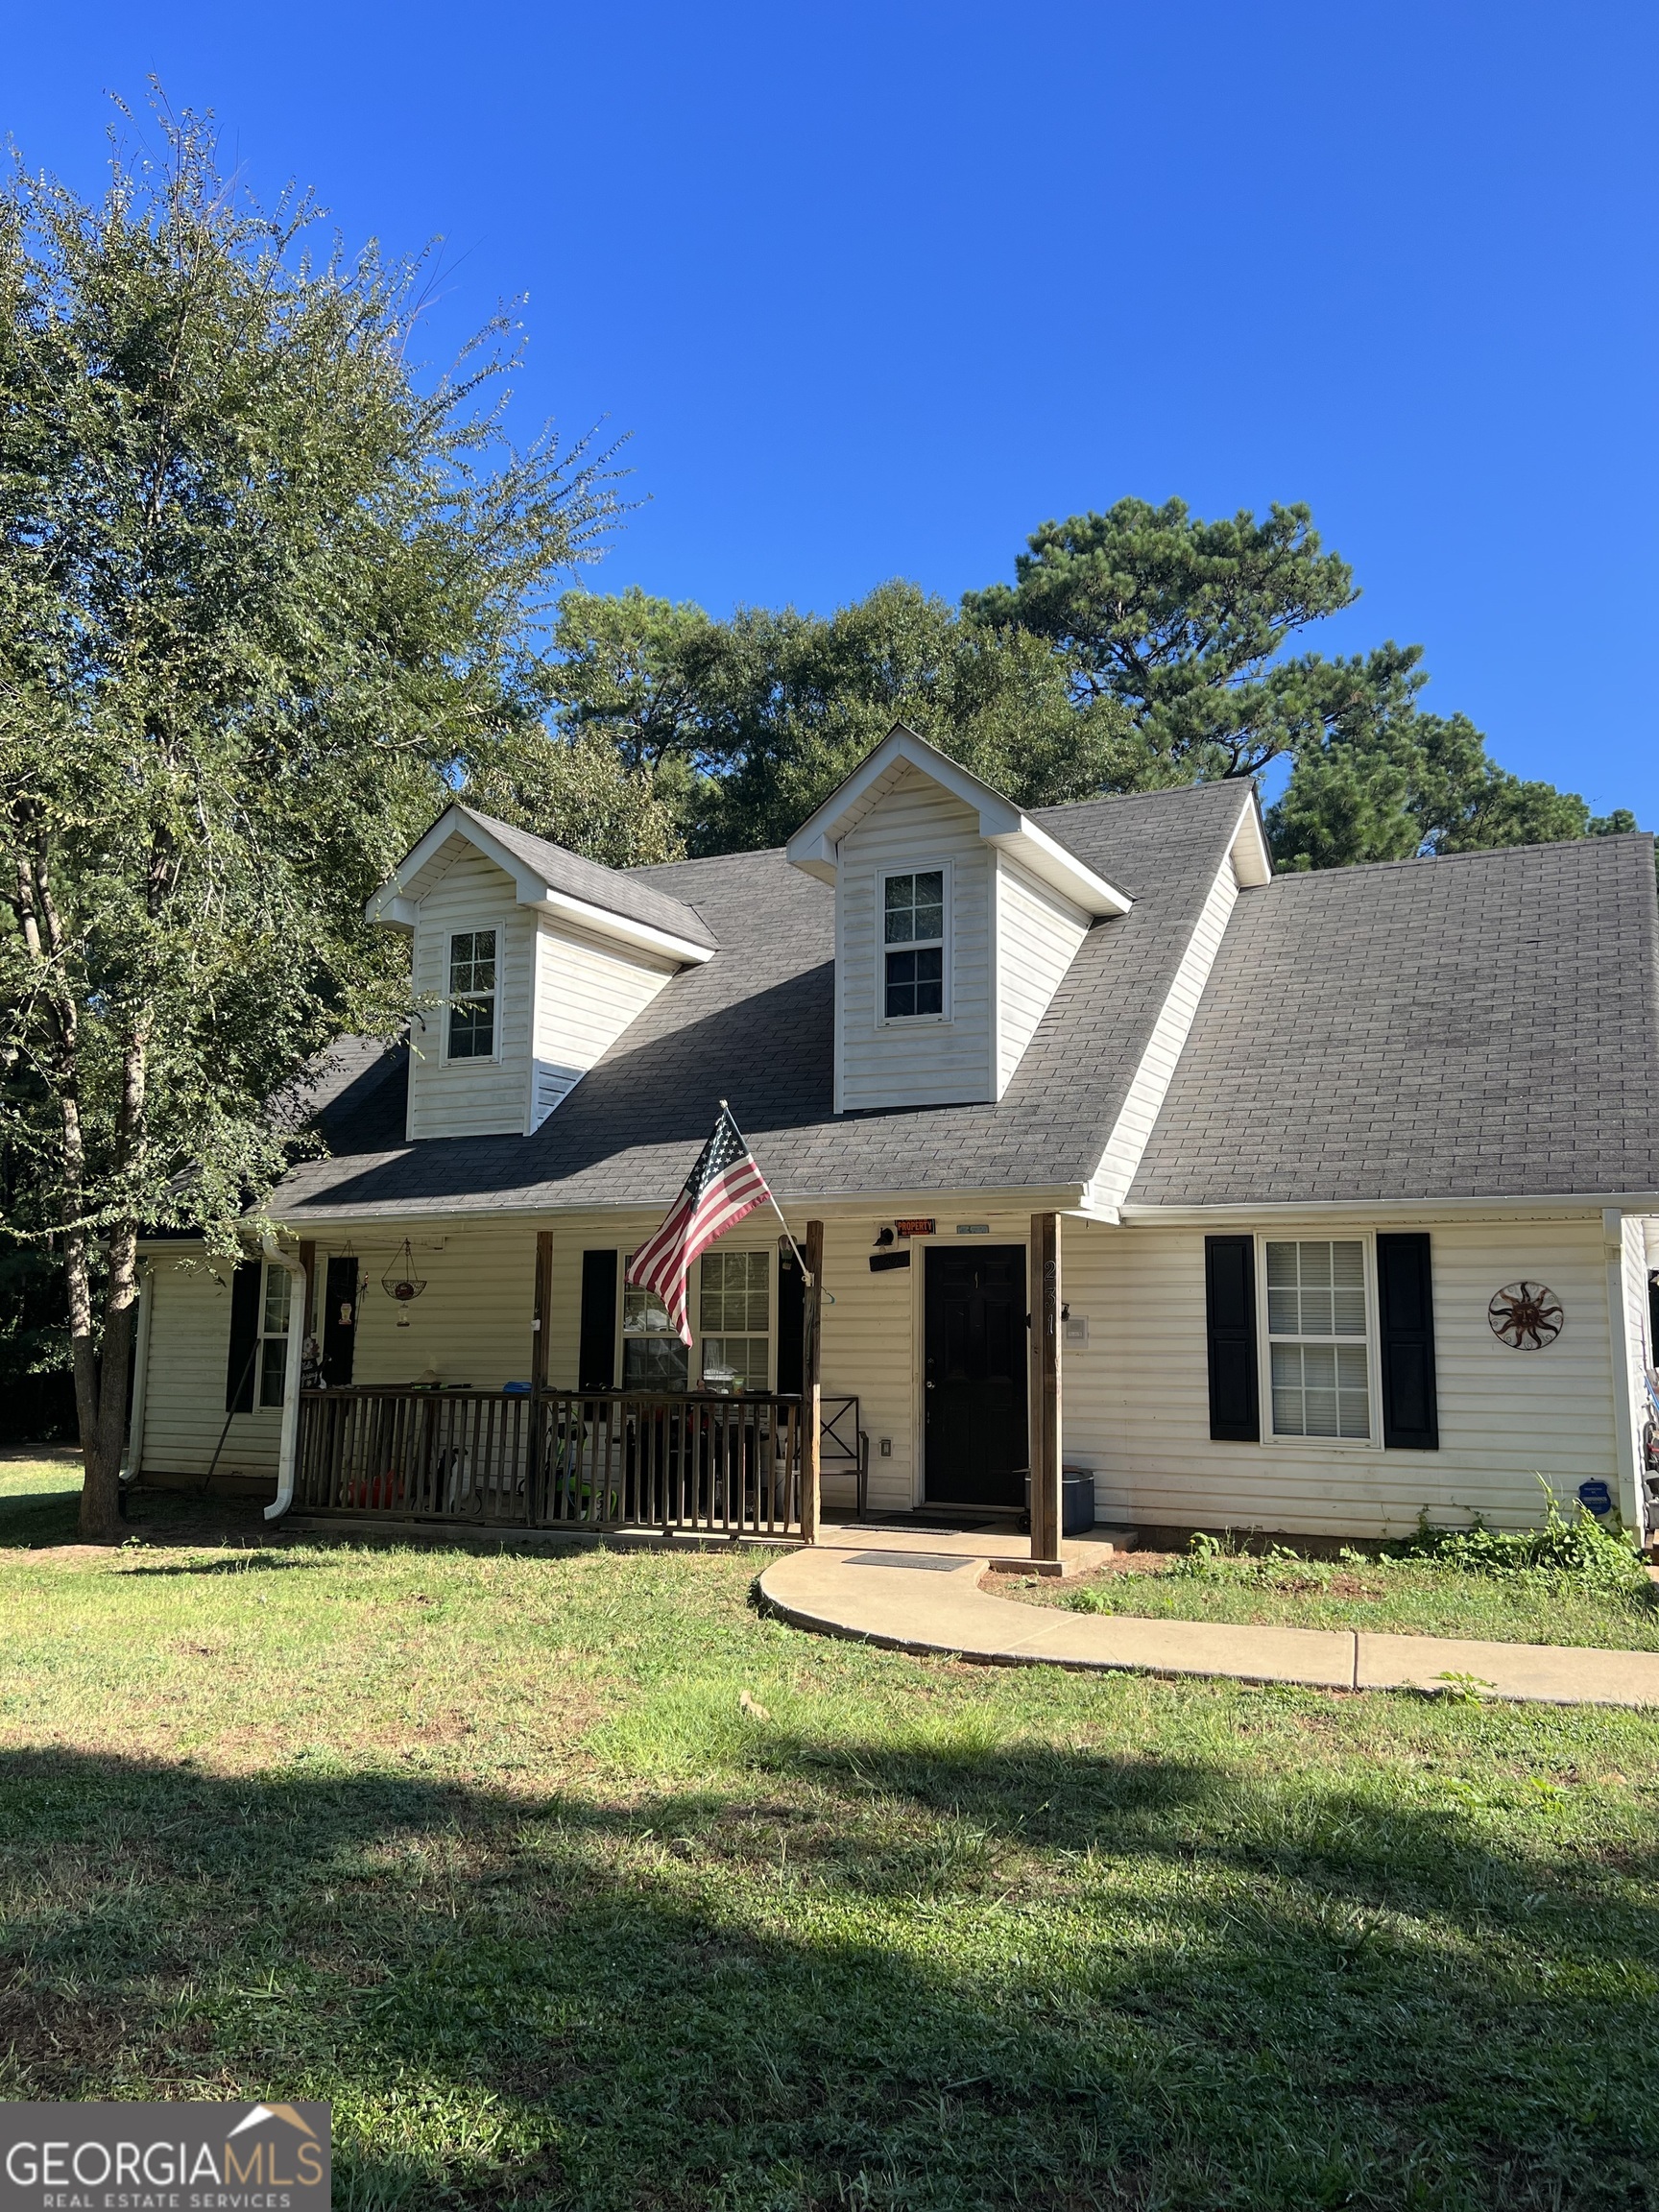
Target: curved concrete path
[(915, 1593)]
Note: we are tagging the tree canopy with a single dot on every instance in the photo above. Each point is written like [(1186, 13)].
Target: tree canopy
[(1134, 649), (266, 601)]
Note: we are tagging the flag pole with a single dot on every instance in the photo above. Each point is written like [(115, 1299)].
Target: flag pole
[(800, 1256)]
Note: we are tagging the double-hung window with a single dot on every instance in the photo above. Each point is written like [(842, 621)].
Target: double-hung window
[(913, 944), (652, 1357), (472, 994), (1318, 1339), (734, 1312), (276, 1313)]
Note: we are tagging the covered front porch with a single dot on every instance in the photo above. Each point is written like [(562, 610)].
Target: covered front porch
[(749, 1440)]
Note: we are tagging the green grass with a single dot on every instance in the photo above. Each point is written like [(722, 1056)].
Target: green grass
[(486, 1852), (1402, 1596), (37, 1499)]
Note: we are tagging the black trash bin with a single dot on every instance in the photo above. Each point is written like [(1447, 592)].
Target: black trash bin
[(1076, 1501)]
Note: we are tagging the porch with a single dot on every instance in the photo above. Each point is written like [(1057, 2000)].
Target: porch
[(526, 1461)]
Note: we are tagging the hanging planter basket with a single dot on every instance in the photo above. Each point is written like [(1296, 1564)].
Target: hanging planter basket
[(401, 1283)]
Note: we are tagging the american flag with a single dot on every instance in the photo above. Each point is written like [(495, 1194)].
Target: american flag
[(723, 1187)]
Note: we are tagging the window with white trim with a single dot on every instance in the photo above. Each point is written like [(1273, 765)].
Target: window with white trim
[(734, 1313), (653, 1355), (472, 994), (913, 940), (1318, 1339), (275, 1312)]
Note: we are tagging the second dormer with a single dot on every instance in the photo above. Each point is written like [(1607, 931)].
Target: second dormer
[(528, 962), (956, 917)]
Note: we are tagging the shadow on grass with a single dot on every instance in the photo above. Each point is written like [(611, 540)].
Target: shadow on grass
[(854, 1975), (45, 1514)]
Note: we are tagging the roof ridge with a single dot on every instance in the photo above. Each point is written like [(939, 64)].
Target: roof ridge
[(1477, 852)]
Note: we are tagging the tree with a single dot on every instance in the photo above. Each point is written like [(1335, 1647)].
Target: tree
[(578, 792), (746, 725), (1417, 784), (1182, 625), (264, 604)]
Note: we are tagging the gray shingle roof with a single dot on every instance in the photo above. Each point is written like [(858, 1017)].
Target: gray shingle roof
[(753, 1025), (629, 892), (1481, 1025)]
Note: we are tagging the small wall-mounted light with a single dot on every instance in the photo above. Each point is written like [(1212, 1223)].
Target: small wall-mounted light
[(883, 1237)]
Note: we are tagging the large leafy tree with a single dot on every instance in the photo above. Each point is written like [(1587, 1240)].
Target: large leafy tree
[(1137, 648), (1184, 625), (265, 601), (745, 725)]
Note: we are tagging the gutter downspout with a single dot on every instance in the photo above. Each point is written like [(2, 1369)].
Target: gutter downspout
[(287, 1447)]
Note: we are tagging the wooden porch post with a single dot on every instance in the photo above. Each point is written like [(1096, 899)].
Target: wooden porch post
[(812, 1316), (544, 1320), (1045, 1435)]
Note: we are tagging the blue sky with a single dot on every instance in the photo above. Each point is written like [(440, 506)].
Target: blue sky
[(877, 288)]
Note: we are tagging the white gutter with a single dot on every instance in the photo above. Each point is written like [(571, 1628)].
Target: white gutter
[(287, 1447)]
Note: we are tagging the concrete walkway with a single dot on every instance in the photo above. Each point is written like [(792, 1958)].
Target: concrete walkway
[(916, 1592)]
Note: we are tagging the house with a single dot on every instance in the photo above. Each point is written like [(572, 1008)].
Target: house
[(1305, 1202)]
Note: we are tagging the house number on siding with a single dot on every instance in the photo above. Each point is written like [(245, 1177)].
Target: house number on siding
[(1526, 1316)]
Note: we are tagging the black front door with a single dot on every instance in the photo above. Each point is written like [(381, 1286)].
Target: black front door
[(974, 1375)]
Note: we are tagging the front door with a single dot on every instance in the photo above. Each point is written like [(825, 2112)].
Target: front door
[(975, 1445)]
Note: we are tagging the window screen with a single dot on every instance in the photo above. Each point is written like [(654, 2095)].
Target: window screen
[(472, 994), (652, 1357), (733, 1310), (1318, 1350), (913, 933), (273, 1315)]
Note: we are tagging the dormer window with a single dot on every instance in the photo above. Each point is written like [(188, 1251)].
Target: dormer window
[(913, 944), (472, 994)]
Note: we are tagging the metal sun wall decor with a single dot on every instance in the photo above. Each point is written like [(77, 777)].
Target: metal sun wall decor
[(1526, 1316)]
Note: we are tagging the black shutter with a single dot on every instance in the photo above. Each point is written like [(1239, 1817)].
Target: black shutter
[(244, 1337), (596, 1353), (340, 1336), (792, 1327), (1411, 1417), (1230, 1313)]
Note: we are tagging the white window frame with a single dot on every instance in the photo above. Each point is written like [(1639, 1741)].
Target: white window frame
[(768, 1253), (883, 876), (261, 1404), (1315, 1235), (492, 1058), (695, 1357)]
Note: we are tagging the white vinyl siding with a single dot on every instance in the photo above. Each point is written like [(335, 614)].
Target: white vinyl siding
[(185, 1388), (1150, 1083), (587, 991), (914, 826), (483, 1096), (1037, 933), (1137, 1396)]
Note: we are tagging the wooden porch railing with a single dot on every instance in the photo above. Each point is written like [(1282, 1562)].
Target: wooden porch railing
[(553, 1460)]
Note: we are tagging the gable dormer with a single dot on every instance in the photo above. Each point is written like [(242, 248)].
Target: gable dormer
[(530, 962), (957, 916)]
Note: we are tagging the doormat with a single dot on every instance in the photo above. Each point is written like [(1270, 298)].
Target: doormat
[(938, 1562)]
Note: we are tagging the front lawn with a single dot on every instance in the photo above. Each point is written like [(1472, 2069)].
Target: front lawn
[(492, 1854), (1386, 1596)]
